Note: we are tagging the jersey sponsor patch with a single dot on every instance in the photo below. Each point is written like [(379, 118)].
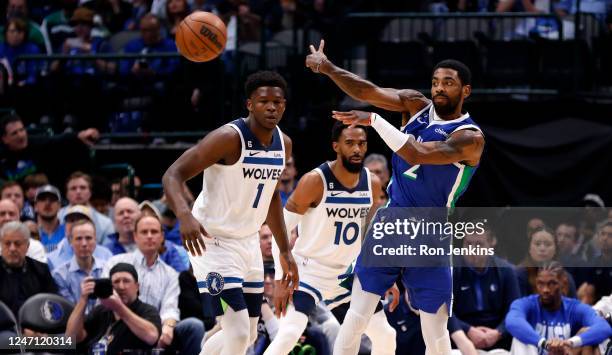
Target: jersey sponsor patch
[(215, 283)]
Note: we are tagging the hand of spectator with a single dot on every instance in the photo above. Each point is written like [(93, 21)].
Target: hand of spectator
[(492, 336), (112, 303), (394, 293), (191, 234), (87, 287), (167, 334), (478, 337), (89, 136), (316, 57)]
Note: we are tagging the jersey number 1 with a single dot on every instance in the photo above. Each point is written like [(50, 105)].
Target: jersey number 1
[(259, 190), (344, 233)]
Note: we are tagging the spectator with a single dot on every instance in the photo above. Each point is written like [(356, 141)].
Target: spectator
[(20, 157), (13, 191), (160, 287), (566, 235), (31, 183), (542, 249), (288, 180), (101, 196), (377, 163), (122, 241), (265, 244), (64, 251), (19, 8), (151, 41), (16, 44), (114, 13), (9, 212), (549, 322), (20, 276), (78, 192), (176, 11), (139, 9), (593, 214), (56, 24), (69, 275), (484, 288), (120, 322), (600, 273), (47, 205)]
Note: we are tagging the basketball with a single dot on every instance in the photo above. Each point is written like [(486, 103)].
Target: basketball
[(201, 36)]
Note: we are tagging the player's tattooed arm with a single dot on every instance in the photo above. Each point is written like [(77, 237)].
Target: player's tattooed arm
[(464, 146), (220, 146), (307, 194), (410, 101)]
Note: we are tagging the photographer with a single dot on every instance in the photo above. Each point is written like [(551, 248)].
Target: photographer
[(121, 321)]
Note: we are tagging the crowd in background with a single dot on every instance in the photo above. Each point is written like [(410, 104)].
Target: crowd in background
[(59, 237)]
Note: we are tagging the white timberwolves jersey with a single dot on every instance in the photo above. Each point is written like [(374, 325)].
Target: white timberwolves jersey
[(330, 234), (235, 198)]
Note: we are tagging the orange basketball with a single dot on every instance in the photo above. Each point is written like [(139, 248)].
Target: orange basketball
[(201, 36)]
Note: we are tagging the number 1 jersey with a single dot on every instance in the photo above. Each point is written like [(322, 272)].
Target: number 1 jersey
[(235, 198)]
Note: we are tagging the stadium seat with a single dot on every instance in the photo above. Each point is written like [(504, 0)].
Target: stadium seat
[(45, 313), (8, 321), (401, 64)]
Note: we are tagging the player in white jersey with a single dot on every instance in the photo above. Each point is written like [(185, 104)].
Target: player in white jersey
[(241, 163), (331, 206)]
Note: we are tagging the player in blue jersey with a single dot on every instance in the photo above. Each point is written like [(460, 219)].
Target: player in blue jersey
[(436, 152), (241, 163)]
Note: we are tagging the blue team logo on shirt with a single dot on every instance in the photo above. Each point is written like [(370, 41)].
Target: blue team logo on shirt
[(215, 283)]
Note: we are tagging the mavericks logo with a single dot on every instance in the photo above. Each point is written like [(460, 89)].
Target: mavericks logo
[(215, 283)]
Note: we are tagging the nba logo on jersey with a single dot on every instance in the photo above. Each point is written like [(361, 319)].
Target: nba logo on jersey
[(215, 283)]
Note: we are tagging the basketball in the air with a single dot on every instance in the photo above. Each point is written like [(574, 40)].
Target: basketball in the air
[(201, 36)]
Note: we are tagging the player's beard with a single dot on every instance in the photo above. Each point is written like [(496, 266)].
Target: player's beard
[(350, 166), (446, 108)]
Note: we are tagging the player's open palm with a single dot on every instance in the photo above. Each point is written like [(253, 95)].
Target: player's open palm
[(316, 57), (353, 117), (191, 235)]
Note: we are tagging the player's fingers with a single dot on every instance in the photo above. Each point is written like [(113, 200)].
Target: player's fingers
[(284, 306), (201, 242), (312, 49), (321, 45), (186, 244), (196, 246)]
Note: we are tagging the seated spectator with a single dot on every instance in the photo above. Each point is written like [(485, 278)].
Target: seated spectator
[(20, 276), (9, 212), (14, 45), (139, 9), (151, 41), (550, 323), (51, 230), (265, 244), (82, 21), (121, 321), (542, 249), (19, 8), (69, 275), (288, 180), (160, 287), (31, 183), (566, 235), (56, 24), (114, 13), (600, 271), (22, 156), (176, 11), (13, 191), (78, 192), (64, 251), (484, 287), (125, 214)]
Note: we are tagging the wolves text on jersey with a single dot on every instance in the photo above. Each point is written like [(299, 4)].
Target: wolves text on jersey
[(360, 212), (262, 173)]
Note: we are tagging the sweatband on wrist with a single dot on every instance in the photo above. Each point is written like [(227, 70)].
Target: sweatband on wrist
[(576, 341), (542, 343), (392, 136)]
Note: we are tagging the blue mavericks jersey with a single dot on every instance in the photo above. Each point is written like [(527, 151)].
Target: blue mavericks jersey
[(430, 185)]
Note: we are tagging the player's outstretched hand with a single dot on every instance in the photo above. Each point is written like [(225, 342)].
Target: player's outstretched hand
[(316, 57), (191, 234), (395, 295), (282, 296), (353, 118)]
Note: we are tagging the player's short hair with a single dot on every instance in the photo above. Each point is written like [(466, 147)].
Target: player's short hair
[(464, 73), (339, 127), (264, 78), (6, 120)]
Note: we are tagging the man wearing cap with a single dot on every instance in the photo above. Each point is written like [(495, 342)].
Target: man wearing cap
[(64, 252), (9, 212), (47, 205), (121, 321), (69, 275)]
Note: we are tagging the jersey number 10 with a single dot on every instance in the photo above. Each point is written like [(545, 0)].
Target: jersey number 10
[(349, 233)]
